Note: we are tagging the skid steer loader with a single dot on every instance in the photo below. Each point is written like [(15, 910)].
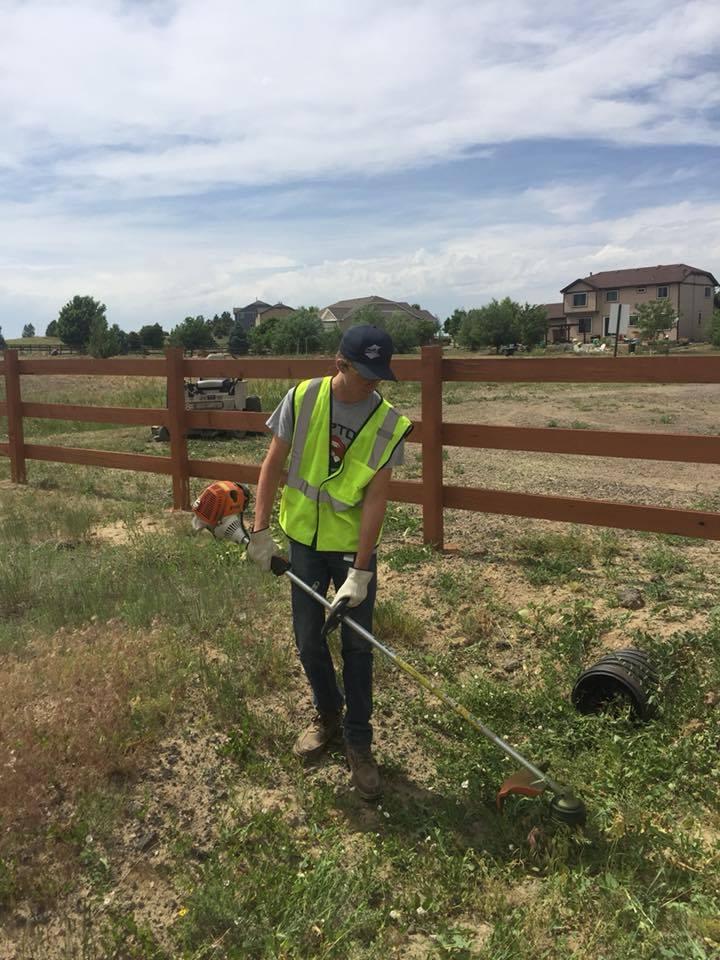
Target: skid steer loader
[(221, 393)]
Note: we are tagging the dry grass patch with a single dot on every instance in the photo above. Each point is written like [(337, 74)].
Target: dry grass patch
[(75, 717)]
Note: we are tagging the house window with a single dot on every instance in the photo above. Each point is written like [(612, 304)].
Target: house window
[(579, 299), (584, 325), (662, 293), (633, 320), (611, 296), (708, 291)]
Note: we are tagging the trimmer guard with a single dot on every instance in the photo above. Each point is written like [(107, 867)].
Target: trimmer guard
[(522, 782)]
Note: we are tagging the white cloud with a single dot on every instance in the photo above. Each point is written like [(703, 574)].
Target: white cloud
[(110, 111), (163, 98), (172, 276)]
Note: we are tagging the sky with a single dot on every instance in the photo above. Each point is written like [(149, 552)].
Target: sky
[(177, 157)]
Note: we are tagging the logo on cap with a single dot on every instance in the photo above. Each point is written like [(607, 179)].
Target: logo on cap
[(373, 352)]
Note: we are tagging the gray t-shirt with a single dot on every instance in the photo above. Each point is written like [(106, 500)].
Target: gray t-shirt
[(347, 420)]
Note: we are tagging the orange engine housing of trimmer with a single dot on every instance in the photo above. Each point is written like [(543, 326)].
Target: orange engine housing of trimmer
[(224, 498)]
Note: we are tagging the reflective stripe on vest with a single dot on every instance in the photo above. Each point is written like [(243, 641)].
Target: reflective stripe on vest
[(321, 508)]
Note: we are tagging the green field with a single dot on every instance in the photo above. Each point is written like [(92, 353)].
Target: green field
[(150, 804), (20, 342)]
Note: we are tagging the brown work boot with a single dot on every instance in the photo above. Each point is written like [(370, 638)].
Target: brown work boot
[(364, 772), (324, 728)]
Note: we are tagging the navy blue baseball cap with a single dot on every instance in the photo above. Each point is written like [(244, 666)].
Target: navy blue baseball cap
[(369, 350)]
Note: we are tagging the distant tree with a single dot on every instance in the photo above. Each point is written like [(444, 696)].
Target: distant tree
[(192, 334), (76, 317), (453, 323), (134, 342), (716, 300), (654, 318), (3, 344), (238, 343), (404, 330), (28, 330), (531, 324), (123, 339), (370, 315), (490, 326), (101, 341), (153, 336), (427, 331), (331, 339), (52, 329), (715, 328), (301, 332), (222, 325), (260, 337)]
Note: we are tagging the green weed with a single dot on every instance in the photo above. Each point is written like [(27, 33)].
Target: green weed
[(546, 558), (402, 520), (665, 561), (408, 557), (396, 626)]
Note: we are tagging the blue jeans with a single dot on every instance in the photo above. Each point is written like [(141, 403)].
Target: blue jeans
[(318, 569)]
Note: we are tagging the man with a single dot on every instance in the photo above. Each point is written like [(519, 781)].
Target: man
[(343, 440)]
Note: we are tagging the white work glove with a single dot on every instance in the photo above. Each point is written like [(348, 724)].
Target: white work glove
[(355, 588), (261, 548)]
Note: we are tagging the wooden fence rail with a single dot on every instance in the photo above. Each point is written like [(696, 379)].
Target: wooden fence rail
[(431, 432)]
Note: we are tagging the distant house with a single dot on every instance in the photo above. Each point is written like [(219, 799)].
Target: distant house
[(558, 328), (258, 311), (277, 310), (341, 313), (587, 301), (248, 315)]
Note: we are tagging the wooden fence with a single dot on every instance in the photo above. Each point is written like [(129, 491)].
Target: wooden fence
[(431, 370), (57, 349)]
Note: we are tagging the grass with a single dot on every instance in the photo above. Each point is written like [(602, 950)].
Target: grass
[(319, 875), (120, 656), (553, 558)]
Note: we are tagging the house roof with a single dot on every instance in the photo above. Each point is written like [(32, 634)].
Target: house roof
[(555, 311), (276, 306), (343, 310), (255, 303), (641, 276)]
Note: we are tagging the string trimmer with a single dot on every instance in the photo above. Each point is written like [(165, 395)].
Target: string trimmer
[(220, 508)]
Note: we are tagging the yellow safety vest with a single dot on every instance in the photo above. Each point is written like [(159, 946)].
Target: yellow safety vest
[(320, 508)]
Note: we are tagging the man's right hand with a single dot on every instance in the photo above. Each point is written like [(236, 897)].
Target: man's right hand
[(261, 548)]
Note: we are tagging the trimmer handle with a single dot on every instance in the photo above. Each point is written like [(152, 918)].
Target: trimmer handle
[(334, 618), (279, 565)]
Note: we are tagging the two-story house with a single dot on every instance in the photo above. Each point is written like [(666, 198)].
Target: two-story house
[(587, 301), (258, 311)]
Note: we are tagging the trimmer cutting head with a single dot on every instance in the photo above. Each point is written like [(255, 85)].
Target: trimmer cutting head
[(567, 808)]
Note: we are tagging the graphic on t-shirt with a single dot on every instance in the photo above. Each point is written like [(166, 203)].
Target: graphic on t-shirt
[(339, 442)]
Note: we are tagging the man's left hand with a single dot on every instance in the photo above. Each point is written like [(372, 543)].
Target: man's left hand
[(355, 588)]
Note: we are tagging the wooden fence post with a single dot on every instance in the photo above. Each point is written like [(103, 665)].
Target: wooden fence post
[(176, 415), (432, 466), (13, 398)]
